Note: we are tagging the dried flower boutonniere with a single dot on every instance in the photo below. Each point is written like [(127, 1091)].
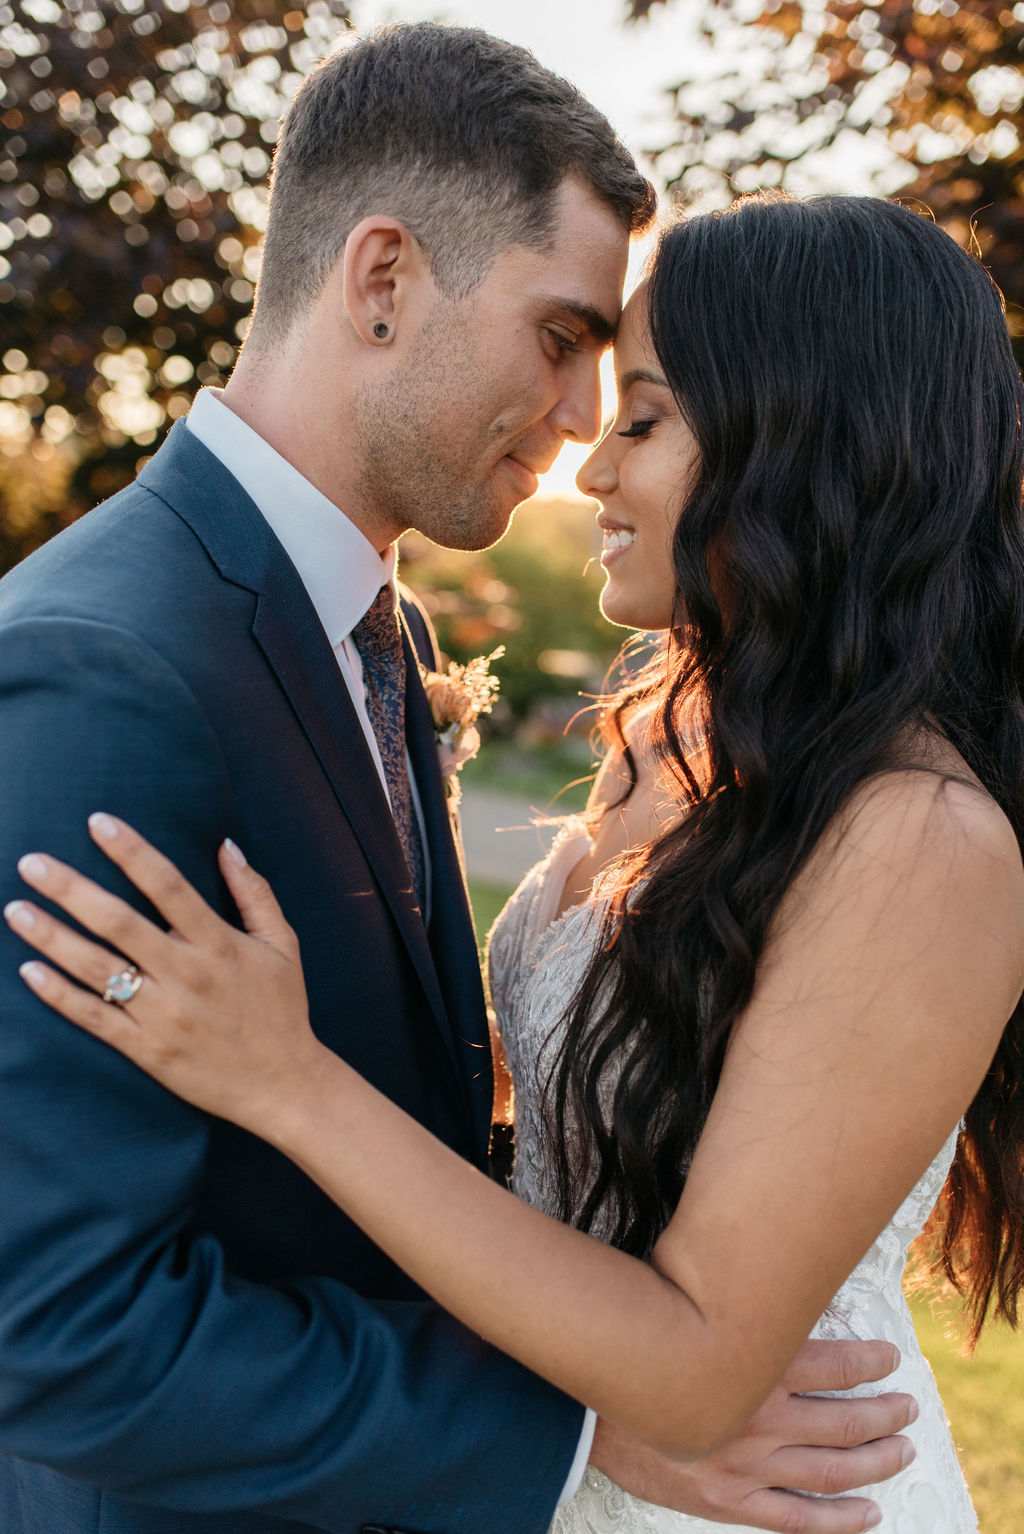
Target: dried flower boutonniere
[(457, 698)]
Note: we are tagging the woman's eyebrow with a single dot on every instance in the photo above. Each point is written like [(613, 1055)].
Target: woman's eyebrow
[(641, 375)]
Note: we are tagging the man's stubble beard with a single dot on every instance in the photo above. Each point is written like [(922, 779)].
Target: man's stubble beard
[(409, 475)]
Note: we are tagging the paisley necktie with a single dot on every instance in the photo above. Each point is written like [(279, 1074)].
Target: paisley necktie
[(378, 638)]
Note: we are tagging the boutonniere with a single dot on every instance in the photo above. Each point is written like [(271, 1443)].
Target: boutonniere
[(457, 698)]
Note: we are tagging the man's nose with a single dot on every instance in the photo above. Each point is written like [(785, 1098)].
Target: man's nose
[(577, 416)]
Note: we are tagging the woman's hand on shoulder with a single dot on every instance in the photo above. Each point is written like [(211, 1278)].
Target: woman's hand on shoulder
[(219, 1017)]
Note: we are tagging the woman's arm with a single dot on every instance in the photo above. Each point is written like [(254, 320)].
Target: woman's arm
[(894, 963)]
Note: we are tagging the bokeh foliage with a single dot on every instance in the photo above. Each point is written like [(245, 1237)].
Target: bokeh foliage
[(927, 93), (136, 142), (136, 137), (535, 592)]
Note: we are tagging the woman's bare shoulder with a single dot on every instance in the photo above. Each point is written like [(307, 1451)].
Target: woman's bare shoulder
[(930, 810), (920, 848)]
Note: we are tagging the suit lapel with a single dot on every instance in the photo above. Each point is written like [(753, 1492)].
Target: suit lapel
[(291, 637), (452, 938), (286, 627)]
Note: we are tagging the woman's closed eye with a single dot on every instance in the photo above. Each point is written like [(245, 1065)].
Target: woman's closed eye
[(638, 428)]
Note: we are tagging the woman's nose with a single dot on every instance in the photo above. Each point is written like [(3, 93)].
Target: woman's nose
[(598, 476)]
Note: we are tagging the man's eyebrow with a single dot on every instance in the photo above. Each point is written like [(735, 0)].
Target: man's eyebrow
[(601, 328), (641, 375)]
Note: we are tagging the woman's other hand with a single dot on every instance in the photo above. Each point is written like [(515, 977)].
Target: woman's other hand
[(220, 1017)]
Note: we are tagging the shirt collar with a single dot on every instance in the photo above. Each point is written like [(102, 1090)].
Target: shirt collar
[(337, 564)]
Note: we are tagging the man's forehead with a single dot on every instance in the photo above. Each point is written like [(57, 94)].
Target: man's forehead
[(579, 273), (585, 264)]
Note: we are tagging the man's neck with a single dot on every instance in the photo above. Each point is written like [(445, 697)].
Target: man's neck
[(273, 398)]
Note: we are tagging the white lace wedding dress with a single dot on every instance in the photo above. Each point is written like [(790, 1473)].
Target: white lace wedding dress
[(535, 963)]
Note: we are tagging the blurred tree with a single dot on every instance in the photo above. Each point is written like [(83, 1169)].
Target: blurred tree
[(136, 141), (923, 96)]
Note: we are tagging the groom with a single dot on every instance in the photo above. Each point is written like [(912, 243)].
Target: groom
[(192, 1338)]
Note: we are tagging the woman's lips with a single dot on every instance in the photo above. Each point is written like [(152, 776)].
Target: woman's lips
[(615, 542)]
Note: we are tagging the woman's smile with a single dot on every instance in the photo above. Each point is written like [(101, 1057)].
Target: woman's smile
[(615, 540), (640, 472)]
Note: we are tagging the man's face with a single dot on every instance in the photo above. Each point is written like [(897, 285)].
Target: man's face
[(494, 383)]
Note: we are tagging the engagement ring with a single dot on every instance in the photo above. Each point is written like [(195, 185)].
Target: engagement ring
[(123, 986)]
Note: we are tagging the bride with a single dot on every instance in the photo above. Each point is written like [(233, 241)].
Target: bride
[(761, 1004)]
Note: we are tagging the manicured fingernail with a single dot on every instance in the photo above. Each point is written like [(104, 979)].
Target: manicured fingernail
[(19, 915), (235, 853), (32, 866), (33, 974), (907, 1453), (103, 826), (914, 1413), (873, 1519)]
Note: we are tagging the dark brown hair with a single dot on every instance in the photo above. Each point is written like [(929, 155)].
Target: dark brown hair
[(464, 137), (846, 370)]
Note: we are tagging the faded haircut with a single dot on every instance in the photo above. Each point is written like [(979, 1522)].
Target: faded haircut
[(462, 136)]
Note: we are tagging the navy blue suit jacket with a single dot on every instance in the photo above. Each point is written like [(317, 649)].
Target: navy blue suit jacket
[(192, 1337)]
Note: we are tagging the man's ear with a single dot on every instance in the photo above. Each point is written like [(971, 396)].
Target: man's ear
[(383, 268)]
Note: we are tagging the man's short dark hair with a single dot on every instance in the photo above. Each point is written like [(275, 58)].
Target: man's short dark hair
[(462, 136)]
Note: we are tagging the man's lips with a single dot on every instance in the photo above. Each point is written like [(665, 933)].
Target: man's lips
[(526, 478)]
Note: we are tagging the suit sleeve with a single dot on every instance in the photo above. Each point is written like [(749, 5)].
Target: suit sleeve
[(130, 1358)]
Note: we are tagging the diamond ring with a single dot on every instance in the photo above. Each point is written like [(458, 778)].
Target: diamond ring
[(123, 986)]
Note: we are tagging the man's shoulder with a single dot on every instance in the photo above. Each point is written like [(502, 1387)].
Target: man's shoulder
[(174, 526), (183, 503), (118, 546), (128, 588)]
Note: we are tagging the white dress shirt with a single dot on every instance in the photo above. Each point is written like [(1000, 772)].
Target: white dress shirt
[(342, 573)]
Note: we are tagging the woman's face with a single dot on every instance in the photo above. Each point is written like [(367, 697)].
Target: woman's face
[(640, 472)]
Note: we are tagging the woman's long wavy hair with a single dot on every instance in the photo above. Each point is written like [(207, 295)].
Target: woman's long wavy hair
[(846, 371)]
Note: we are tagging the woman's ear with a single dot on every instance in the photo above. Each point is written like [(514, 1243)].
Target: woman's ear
[(382, 267)]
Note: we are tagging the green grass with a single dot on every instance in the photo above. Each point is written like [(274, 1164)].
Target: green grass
[(984, 1398), (983, 1395), (488, 900)]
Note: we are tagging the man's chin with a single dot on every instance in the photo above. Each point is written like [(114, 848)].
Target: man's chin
[(480, 525)]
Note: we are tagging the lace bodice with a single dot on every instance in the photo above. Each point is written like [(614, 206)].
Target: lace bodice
[(535, 963)]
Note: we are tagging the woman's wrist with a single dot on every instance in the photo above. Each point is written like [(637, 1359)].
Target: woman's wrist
[(313, 1085)]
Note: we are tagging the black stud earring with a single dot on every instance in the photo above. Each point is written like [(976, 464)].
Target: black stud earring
[(380, 330)]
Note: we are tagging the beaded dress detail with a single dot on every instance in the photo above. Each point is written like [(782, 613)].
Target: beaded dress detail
[(535, 962)]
